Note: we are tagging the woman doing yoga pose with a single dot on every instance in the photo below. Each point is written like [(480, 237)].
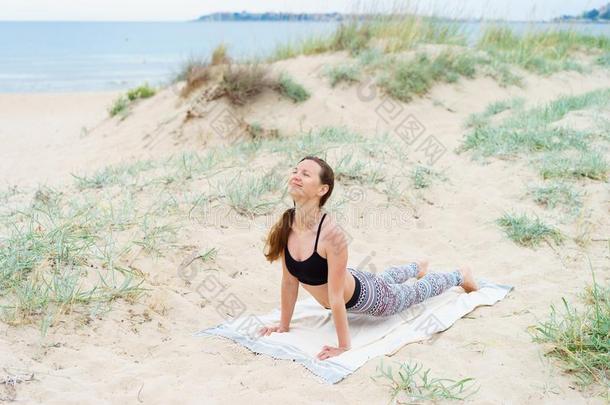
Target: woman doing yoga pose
[(324, 272)]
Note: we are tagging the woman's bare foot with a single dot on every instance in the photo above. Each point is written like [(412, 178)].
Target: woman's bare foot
[(422, 265), (469, 284)]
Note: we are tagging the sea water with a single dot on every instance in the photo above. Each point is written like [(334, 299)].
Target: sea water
[(87, 56)]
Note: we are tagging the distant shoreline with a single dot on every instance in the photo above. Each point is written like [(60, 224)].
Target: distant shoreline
[(461, 20), (339, 17)]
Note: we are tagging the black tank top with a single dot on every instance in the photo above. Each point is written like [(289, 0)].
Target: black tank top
[(313, 270)]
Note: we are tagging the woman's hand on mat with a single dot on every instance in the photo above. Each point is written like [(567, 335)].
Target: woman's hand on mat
[(267, 330), (330, 351)]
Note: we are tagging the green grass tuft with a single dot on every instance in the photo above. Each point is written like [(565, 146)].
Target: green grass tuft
[(144, 91), (246, 196), (479, 120), (342, 73), (422, 176), (119, 106), (529, 232), (580, 340), (417, 387), (291, 89), (557, 194), (408, 78), (590, 164), (350, 168)]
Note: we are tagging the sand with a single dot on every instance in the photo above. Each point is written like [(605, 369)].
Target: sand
[(143, 352)]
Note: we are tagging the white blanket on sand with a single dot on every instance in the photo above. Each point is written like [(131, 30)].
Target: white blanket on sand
[(312, 327)]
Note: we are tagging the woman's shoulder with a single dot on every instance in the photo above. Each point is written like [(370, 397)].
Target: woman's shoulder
[(332, 231), (329, 219)]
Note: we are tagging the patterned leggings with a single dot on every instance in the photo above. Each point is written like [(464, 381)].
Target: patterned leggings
[(384, 294)]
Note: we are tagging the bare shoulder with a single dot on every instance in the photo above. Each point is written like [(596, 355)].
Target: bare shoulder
[(332, 233)]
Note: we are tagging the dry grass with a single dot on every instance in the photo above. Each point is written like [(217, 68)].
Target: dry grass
[(196, 73), (243, 82), (196, 77), (220, 55)]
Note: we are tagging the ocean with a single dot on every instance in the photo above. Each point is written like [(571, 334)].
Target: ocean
[(89, 56)]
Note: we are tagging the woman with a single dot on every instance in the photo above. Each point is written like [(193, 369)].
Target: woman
[(324, 272)]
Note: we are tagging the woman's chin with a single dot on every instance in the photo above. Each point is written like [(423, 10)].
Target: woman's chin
[(296, 196)]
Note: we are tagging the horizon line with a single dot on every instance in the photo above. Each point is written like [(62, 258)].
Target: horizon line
[(472, 19), (197, 19)]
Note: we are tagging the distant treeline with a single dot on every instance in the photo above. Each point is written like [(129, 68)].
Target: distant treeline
[(596, 14)]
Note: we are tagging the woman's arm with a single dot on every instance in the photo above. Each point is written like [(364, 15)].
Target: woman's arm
[(341, 325), (290, 292), (336, 254)]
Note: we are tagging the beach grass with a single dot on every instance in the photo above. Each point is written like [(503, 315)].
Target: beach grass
[(415, 386), (195, 73), (220, 55), (542, 52), (348, 73), (395, 32), (479, 120), (249, 195), (119, 107), (528, 231), (413, 77), (240, 83), (352, 36), (143, 91), (530, 130), (122, 173), (422, 176), (73, 250), (400, 32), (587, 164), (557, 194), (502, 72), (374, 41), (121, 104), (579, 338), (187, 66), (51, 254), (372, 58), (558, 152), (350, 168), (499, 47), (309, 45), (291, 89)]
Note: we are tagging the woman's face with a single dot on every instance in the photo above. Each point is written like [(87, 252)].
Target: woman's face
[(304, 180)]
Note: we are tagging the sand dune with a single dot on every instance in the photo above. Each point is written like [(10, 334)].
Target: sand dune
[(144, 352)]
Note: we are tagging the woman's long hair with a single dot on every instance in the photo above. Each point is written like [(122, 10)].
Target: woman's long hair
[(278, 236)]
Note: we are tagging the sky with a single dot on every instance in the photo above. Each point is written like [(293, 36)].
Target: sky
[(180, 10)]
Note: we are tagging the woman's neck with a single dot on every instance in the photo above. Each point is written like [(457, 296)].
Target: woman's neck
[(306, 217)]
